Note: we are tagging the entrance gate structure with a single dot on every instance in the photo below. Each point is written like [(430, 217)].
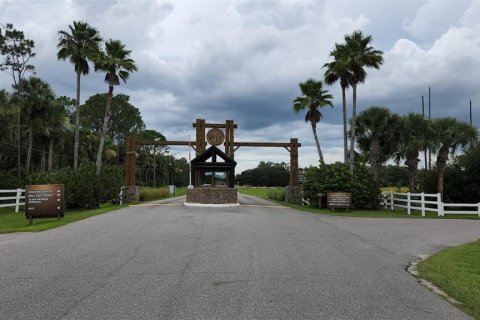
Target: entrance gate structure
[(219, 133)]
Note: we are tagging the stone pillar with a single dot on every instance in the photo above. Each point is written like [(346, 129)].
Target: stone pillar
[(129, 193), (293, 194)]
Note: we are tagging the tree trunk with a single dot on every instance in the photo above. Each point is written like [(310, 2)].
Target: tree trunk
[(29, 151), (354, 123), (77, 125), (50, 154), (43, 159), (106, 118), (412, 165), (375, 162), (320, 155), (441, 164), (345, 135), (19, 144)]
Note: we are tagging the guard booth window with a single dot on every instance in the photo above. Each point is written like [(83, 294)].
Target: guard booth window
[(213, 178)]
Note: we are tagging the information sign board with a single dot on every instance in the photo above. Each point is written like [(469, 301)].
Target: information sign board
[(339, 200), (44, 201)]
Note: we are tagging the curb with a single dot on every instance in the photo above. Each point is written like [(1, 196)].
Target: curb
[(412, 269), (210, 205)]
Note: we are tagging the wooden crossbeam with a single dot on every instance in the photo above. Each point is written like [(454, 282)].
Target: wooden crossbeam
[(264, 144), (166, 143), (216, 125)]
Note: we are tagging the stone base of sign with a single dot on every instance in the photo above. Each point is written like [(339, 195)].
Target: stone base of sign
[(293, 194), (212, 195), (129, 194)]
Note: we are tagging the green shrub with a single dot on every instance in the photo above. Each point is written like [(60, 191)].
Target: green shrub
[(277, 194), (336, 177), (82, 188), (148, 194), (8, 180)]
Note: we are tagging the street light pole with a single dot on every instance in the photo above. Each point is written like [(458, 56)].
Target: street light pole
[(470, 111), (429, 117), (424, 151)]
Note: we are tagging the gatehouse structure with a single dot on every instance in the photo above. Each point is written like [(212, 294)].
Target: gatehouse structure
[(213, 180)]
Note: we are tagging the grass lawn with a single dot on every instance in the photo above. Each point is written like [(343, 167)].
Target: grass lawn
[(380, 213), (150, 193), (456, 271), (257, 192), (16, 222)]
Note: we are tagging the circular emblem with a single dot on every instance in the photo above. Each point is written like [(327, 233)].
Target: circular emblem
[(215, 136)]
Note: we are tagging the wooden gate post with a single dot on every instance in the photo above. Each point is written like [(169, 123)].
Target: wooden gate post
[(200, 137), (130, 163), (294, 162), (229, 138)]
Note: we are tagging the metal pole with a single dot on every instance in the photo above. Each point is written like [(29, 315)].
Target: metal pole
[(429, 117), (424, 151), (470, 111)]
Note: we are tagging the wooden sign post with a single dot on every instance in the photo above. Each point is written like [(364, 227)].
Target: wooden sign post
[(44, 201)]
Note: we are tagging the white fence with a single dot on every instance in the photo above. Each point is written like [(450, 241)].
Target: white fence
[(19, 195), (427, 202)]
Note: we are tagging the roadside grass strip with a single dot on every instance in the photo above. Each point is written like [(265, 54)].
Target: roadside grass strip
[(379, 213), (10, 221), (456, 271)]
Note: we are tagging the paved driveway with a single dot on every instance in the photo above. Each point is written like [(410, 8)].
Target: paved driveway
[(256, 261)]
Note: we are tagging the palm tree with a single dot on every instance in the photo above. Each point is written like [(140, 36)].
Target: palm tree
[(37, 98), (79, 46), (377, 136), (313, 98), (449, 134), (54, 125), (117, 64), (357, 55), (336, 71), (415, 133)]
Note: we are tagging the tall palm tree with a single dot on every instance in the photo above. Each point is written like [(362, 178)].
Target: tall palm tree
[(448, 135), (336, 71), (79, 46), (117, 64), (358, 55), (377, 136), (313, 98), (415, 133)]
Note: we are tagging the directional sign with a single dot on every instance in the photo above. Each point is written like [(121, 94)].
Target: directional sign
[(44, 201), (339, 200)]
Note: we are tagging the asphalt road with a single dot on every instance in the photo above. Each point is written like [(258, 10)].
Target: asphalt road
[(256, 261)]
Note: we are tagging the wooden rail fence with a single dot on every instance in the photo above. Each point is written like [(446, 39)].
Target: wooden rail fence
[(427, 202)]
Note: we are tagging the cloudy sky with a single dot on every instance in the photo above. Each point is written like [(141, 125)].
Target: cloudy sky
[(243, 60)]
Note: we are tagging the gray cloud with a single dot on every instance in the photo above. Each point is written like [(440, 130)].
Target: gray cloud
[(243, 60)]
